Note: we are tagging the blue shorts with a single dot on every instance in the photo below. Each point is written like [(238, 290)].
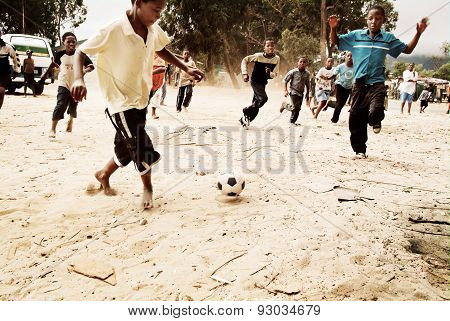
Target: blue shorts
[(405, 97), (322, 95)]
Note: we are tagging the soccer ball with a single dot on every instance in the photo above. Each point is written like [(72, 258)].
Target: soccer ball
[(230, 184)]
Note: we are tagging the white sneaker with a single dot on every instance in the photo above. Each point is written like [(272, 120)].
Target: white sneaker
[(243, 123), (361, 156)]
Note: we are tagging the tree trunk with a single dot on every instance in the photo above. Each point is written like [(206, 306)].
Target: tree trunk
[(23, 17), (210, 69), (323, 30), (226, 58)]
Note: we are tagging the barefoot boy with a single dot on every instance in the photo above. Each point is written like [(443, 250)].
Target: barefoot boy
[(187, 83), (64, 100), (324, 85), (369, 48), (297, 79), (124, 52), (267, 65)]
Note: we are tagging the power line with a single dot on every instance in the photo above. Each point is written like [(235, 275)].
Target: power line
[(428, 16)]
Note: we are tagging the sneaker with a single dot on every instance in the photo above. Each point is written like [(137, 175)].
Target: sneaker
[(361, 155), (185, 109), (377, 128), (243, 123)]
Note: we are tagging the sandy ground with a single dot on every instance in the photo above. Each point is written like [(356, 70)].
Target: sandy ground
[(286, 238)]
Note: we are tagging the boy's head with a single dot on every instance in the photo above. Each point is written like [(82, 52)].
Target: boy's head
[(186, 55), (329, 63), (149, 11), (375, 18), (302, 63), (349, 58), (70, 41), (29, 53), (411, 66), (269, 46)]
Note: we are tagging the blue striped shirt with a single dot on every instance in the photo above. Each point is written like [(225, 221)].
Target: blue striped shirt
[(369, 54)]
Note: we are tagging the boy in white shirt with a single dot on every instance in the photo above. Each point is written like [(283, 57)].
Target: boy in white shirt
[(324, 80), (408, 87), (125, 50)]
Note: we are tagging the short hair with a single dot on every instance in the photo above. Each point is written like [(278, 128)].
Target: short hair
[(268, 40), (378, 8), (68, 34), (302, 57)]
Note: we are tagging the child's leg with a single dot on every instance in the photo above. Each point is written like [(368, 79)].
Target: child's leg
[(358, 119), (180, 97), (72, 111), (147, 196), (409, 107), (187, 100), (375, 96), (104, 174), (322, 104), (2, 96), (297, 102), (62, 102), (341, 98), (259, 99)]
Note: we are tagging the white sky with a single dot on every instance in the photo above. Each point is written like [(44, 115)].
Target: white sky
[(101, 12)]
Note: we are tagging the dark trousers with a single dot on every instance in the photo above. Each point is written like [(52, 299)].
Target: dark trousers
[(297, 103), (64, 101), (367, 108), (29, 81), (342, 95), (184, 96), (259, 99)]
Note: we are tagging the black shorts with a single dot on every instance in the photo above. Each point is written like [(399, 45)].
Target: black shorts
[(64, 101), (423, 103), (133, 144)]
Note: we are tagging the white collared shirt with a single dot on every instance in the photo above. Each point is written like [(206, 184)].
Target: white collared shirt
[(125, 63), (407, 85)]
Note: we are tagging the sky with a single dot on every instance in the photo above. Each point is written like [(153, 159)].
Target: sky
[(101, 12)]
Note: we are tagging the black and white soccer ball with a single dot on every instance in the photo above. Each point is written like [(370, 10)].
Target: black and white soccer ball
[(231, 184)]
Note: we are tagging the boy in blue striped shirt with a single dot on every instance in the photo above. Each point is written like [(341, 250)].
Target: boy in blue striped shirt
[(369, 48)]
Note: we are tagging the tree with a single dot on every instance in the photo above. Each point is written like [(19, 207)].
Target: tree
[(399, 68), (41, 17), (443, 72)]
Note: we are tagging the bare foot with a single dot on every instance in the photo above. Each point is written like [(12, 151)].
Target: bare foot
[(147, 199), (155, 117), (52, 134), (69, 126), (104, 181)]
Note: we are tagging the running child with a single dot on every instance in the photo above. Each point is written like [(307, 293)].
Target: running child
[(64, 101), (267, 65), (424, 96), (324, 85), (158, 80), (186, 83), (124, 51), (298, 79), (369, 48), (343, 85)]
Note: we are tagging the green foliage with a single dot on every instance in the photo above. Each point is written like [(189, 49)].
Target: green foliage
[(42, 17), (296, 44), (398, 68), (443, 72)]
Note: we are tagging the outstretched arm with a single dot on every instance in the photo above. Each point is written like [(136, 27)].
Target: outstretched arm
[(421, 26), (334, 23), (79, 91)]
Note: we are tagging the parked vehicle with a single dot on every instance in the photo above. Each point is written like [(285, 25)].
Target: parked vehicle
[(42, 56)]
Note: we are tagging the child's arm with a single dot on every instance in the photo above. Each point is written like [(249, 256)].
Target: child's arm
[(334, 23), (159, 70), (421, 26), (79, 91), (244, 66), (170, 58)]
